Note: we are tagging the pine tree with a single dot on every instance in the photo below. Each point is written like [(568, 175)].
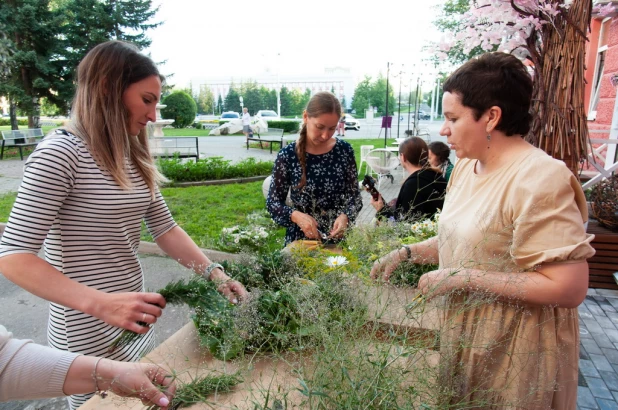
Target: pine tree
[(232, 102), (30, 70)]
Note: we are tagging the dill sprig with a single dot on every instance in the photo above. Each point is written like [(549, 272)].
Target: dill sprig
[(196, 293), (200, 388)]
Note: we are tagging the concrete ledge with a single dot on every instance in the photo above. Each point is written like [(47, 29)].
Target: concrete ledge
[(150, 248), (215, 182)]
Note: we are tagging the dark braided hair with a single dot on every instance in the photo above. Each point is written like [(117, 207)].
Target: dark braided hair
[(323, 102)]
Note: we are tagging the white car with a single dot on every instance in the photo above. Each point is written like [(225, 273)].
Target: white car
[(351, 123), (267, 115), (229, 115)]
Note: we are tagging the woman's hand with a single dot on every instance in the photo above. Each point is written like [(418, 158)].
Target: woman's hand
[(125, 309), (233, 290), (438, 282), (379, 204), (386, 265), (149, 382), (307, 224), (340, 226)]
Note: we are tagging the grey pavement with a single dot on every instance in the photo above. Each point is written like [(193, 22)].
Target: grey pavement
[(26, 315)]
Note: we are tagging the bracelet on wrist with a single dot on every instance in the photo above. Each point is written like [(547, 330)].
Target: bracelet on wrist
[(209, 269), (408, 251), (98, 391)]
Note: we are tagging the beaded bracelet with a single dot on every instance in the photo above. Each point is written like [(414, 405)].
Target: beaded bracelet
[(102, 393)]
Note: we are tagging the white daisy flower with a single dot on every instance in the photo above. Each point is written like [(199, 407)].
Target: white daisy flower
[(336, 261)]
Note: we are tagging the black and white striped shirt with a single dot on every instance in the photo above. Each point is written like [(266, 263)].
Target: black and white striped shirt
[(90, 229)]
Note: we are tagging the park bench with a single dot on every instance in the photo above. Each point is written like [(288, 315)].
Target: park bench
[(182, 147), (20, 139), (271, 136)]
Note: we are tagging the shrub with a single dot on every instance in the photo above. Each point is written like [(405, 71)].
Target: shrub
[(197, 125), (181, 108), (212, 168), (288, 126), (7, 121)]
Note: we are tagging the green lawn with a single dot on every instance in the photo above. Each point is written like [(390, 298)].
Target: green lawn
[(201, 211)]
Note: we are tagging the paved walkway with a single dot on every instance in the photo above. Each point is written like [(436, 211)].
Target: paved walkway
[(598, 379)]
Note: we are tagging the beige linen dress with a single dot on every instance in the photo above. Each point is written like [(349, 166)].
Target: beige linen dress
[(497, 352)]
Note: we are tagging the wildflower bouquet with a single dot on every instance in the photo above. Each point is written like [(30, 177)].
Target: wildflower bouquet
[(251, 236)]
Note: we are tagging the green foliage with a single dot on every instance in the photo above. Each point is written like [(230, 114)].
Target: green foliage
[(219, 105), (6, 204), (180, 107), (257, 234), (291, 126), (232, 100), (6, 121), (198, 389), (449, 19), (373, 94), (212, 168), (293, 102)]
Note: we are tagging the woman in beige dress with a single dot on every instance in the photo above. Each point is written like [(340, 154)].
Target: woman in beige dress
[(511, 249)]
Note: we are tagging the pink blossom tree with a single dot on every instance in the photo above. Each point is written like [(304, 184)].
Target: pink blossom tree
[(550, 35)]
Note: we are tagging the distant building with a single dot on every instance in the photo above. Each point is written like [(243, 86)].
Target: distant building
[(338, 79)]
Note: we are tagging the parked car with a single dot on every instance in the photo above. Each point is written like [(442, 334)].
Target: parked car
[(351, 123), (423, 115), (267, 115), (229, 115)]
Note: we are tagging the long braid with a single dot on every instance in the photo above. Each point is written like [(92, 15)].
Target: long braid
[(302, 155)]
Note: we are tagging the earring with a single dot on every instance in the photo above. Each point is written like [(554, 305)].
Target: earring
[(488, 140)]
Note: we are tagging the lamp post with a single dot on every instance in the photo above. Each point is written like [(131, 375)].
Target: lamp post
[(409, 101), (399, 104), (388, 66), (278, 87)]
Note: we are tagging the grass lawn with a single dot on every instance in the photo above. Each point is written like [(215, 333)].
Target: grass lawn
[(201, 211)]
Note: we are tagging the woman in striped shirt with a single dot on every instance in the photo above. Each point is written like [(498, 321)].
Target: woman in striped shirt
[(84, 194)]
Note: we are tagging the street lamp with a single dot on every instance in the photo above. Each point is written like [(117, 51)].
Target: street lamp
[(399, 106), (241, 102), (388, 66)]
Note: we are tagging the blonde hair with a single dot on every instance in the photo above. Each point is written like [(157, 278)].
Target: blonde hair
[(99, 116), (323, 102)]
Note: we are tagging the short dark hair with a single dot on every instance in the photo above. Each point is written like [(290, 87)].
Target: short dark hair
[(440, 150), (495, 79), (415, 151)]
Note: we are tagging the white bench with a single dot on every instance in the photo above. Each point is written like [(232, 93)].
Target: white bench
[(21, 139), (182, 147)]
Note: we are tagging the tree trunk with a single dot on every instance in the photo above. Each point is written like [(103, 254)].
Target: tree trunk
[(13, 115), (559, 125)]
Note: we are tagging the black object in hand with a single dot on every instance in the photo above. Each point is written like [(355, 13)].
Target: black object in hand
[(370, 185)]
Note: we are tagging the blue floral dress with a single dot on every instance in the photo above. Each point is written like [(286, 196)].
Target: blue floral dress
[(331, 189)]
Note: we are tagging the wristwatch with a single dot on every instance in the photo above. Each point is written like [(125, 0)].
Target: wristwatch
[(209, 270)]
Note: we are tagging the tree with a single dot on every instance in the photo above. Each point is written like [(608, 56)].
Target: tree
[(450, 21), (377, 96), (205, 100), (31, 29), (551, 35), (232, 102), (181, 108), (360, 99), (287, 105), (88, 23), (219, 105)]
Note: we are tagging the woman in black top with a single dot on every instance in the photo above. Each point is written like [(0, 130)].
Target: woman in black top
[(422, 193), (320, 173)]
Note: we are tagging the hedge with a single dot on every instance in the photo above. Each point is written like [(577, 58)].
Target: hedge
[(212, 168)]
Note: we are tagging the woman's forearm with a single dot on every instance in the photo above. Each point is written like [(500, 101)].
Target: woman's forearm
[(177, 244), (425, 252), (558, 284), (43, 280)]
